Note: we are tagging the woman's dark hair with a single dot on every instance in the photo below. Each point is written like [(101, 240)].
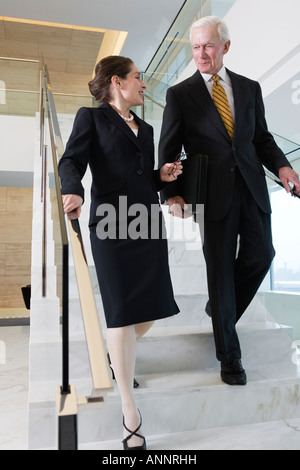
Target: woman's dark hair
[(105, 70)]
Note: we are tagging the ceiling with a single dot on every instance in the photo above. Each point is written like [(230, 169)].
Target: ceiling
[(72, 35), (69, 53)]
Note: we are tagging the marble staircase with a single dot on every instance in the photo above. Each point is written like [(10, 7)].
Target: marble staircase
[(180, 386)]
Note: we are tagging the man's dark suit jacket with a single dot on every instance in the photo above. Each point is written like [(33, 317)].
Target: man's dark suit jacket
[(192, 120)]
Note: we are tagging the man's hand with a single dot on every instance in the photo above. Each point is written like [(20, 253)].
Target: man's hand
[(288, 175), (178, 207)]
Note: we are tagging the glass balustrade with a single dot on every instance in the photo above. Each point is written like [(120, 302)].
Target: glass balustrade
[(285, 273), (20, 95), (283, 112), (174, 53), (169, 62)]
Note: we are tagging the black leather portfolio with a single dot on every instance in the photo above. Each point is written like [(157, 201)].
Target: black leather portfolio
[(192, 182)]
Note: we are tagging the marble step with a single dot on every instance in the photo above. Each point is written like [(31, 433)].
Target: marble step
[(180, 252), (168, 350), (186, 280), (193, 400), (277, 435), (192, 348), (192, 312), (179, 401), (176, 349)]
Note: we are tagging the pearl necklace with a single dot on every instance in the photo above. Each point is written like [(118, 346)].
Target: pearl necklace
[(127, 119)]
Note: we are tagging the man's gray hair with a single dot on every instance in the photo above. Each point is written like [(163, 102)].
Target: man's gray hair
[(209, 21)]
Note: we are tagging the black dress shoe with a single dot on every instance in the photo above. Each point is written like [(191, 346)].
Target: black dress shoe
[(233, 373)]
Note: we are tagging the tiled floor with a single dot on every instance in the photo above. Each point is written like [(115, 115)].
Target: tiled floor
[(14, 353), (14, 342)]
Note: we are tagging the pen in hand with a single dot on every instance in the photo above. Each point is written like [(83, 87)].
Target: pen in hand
[(179, 158)]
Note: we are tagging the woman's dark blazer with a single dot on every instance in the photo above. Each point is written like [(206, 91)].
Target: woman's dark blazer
[(192, 120), (121, 163)]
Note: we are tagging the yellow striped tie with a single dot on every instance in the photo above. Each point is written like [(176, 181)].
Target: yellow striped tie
[(221, 102)]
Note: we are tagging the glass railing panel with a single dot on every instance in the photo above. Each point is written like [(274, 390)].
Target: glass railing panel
[(285, 227), (154, 113), (67, 107), (20, 103), (156, 90), (294, 158), (292, 151), (282, 106), (175, 52), (69, 104), (285, 271), (289, 148), (19, 95)]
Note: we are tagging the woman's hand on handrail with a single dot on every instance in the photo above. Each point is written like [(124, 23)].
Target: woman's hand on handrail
[(72, 205)]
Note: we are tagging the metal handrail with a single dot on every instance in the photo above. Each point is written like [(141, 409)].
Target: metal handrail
[(44, 236), (65, 389), (277, 181), (97, 354), (43, 154)]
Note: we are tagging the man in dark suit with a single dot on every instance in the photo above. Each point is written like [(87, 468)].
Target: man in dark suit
[(237, 201)]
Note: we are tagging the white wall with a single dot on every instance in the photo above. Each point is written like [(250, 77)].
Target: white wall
[(17, 143), (263, 34)]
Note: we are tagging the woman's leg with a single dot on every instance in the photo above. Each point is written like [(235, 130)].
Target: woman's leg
[(121, 343), (142, 328)]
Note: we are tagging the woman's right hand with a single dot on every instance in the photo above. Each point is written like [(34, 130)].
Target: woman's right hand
[(72, 205)]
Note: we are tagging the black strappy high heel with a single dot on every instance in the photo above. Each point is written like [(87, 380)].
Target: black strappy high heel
[(134, 433), (135, 383)]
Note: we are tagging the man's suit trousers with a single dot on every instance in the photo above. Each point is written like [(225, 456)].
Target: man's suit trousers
[(238, 251)]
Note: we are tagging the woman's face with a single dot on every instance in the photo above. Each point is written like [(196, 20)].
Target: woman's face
[(132, 87)]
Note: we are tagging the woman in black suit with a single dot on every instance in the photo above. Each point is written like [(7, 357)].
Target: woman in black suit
[(126, 223)]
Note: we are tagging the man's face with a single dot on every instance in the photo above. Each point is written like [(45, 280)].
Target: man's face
[(208, 49)]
